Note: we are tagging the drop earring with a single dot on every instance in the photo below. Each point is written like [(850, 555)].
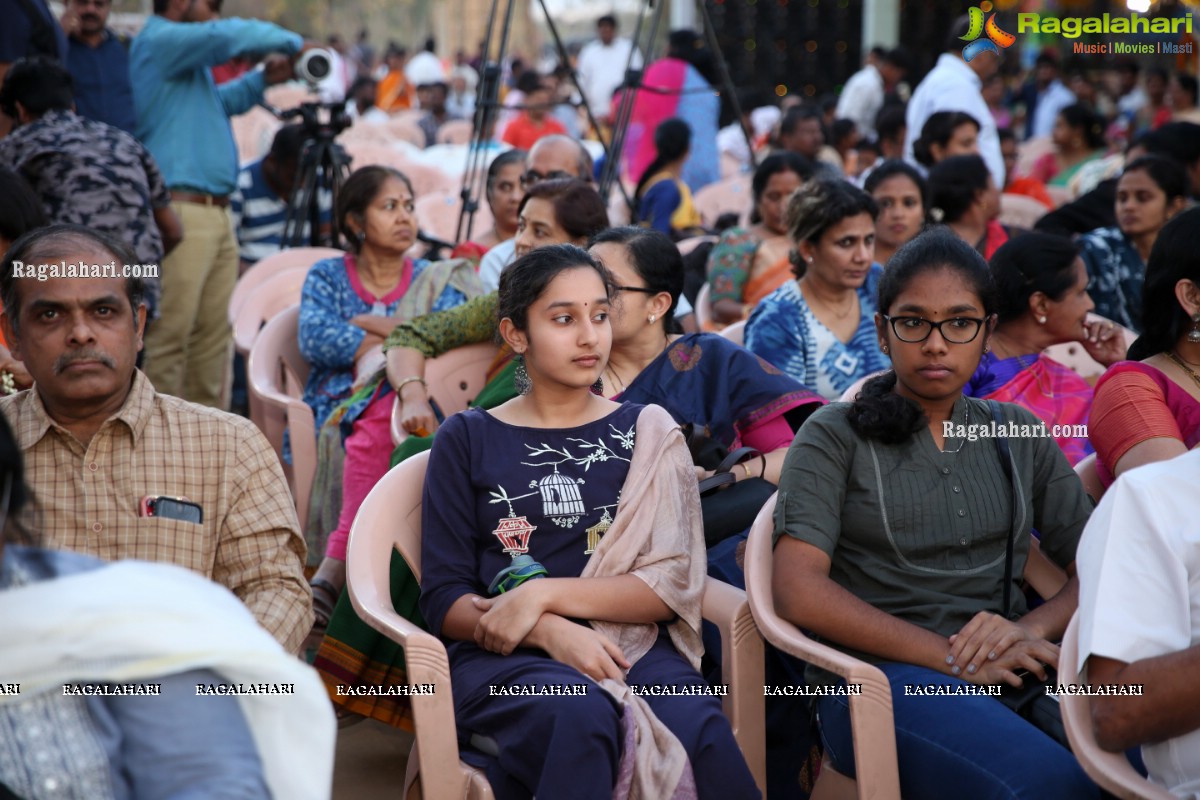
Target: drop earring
[(598, 387), (521, 377), (1194, 334)]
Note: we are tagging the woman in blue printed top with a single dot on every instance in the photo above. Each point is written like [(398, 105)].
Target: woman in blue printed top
[(352, 302), (820, 328)]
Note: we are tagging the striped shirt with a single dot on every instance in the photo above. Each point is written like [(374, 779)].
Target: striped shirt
[(88, 499), (259, 215)]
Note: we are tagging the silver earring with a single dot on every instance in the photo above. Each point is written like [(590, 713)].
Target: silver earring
[(885, 347), (810, 259), (652, 318), (521, 377), (1041, 320), (1194, 334)]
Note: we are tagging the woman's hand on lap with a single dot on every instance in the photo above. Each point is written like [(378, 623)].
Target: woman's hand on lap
[(587, 650), (508, 618), (1030, 655), (985, 638)]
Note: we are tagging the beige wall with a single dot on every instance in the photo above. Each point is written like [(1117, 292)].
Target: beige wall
[(461, 24)]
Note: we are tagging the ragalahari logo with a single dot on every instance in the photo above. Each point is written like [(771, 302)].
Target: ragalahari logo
[(996, 40)]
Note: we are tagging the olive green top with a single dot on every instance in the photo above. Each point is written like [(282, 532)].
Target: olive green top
[(921, 533), (440, 332)]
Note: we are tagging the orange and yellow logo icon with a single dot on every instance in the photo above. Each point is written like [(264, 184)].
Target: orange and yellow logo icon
[(996, 40)]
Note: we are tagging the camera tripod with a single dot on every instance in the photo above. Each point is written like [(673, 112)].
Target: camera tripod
[(322, 169)]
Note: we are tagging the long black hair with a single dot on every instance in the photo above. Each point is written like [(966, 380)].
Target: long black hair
[(879, 412), (655, 258), (1032, 262), (672, 138), (1087, 121), (954, 185), (1174, 257)]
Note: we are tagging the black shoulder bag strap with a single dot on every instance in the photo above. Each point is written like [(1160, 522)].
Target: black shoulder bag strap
[(1006, 461), (1030, 701)]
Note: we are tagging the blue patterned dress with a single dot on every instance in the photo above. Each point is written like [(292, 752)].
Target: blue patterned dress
[(1116, 273), (783, 331), (332, 295)]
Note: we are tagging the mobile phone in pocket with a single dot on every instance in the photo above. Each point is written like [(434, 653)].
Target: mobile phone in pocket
[(178, 508)]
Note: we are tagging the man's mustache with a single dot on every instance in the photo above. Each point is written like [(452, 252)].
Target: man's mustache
[(74, 357)]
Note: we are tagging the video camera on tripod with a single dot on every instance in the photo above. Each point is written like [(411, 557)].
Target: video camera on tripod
[(323, 166)]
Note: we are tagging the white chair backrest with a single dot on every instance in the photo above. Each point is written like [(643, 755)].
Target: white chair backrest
[(438, 214), (727, 195), (703, 307), (691, 243), (277, 373), (264, 270), (1020, 211), (455, 131), (736, 332), (279, 292), (455, 378)]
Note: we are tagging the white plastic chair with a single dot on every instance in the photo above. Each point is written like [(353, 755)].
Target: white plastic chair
[(277, 372), (736, 332), (264, 270), (871, 719), (390, 518), (1111, 771), (452, 380), (703, 307)]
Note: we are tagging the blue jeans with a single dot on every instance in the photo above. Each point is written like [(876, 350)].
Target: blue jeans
[(958, 746)]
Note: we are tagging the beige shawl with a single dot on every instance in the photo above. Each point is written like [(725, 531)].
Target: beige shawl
[(658, 535)]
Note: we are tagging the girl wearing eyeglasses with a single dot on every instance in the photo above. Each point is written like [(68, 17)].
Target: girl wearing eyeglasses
[(892, 536), (818, 328)]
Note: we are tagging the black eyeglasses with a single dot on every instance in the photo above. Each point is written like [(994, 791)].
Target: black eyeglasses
[(641, 289), (533, 176), (958, 330)]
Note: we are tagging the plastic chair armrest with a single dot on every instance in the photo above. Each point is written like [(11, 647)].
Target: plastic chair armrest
[(742, 671)]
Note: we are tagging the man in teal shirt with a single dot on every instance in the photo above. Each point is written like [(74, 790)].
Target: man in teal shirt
[(183, 119)]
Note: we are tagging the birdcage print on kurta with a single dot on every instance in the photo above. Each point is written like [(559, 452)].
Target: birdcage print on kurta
[(561, 500)]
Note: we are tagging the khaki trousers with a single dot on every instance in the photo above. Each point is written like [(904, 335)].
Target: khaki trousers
[(187, 348)]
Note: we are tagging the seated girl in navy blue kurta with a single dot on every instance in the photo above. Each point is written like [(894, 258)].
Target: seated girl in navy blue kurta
[(602, 496)]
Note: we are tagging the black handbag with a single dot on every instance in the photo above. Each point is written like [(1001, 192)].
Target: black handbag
[(1030, 701), (728, 505)]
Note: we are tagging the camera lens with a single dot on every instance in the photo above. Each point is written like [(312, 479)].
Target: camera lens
[(314, 66)]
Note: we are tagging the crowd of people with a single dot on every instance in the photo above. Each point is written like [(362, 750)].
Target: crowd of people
[(904, 267)]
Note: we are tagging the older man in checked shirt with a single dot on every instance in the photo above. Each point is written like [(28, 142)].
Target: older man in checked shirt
[(98, 440)]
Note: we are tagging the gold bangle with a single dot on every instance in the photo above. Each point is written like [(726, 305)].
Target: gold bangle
[(411, 379)]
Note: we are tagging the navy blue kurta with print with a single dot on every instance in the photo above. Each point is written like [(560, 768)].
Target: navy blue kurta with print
[(543, 492)]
